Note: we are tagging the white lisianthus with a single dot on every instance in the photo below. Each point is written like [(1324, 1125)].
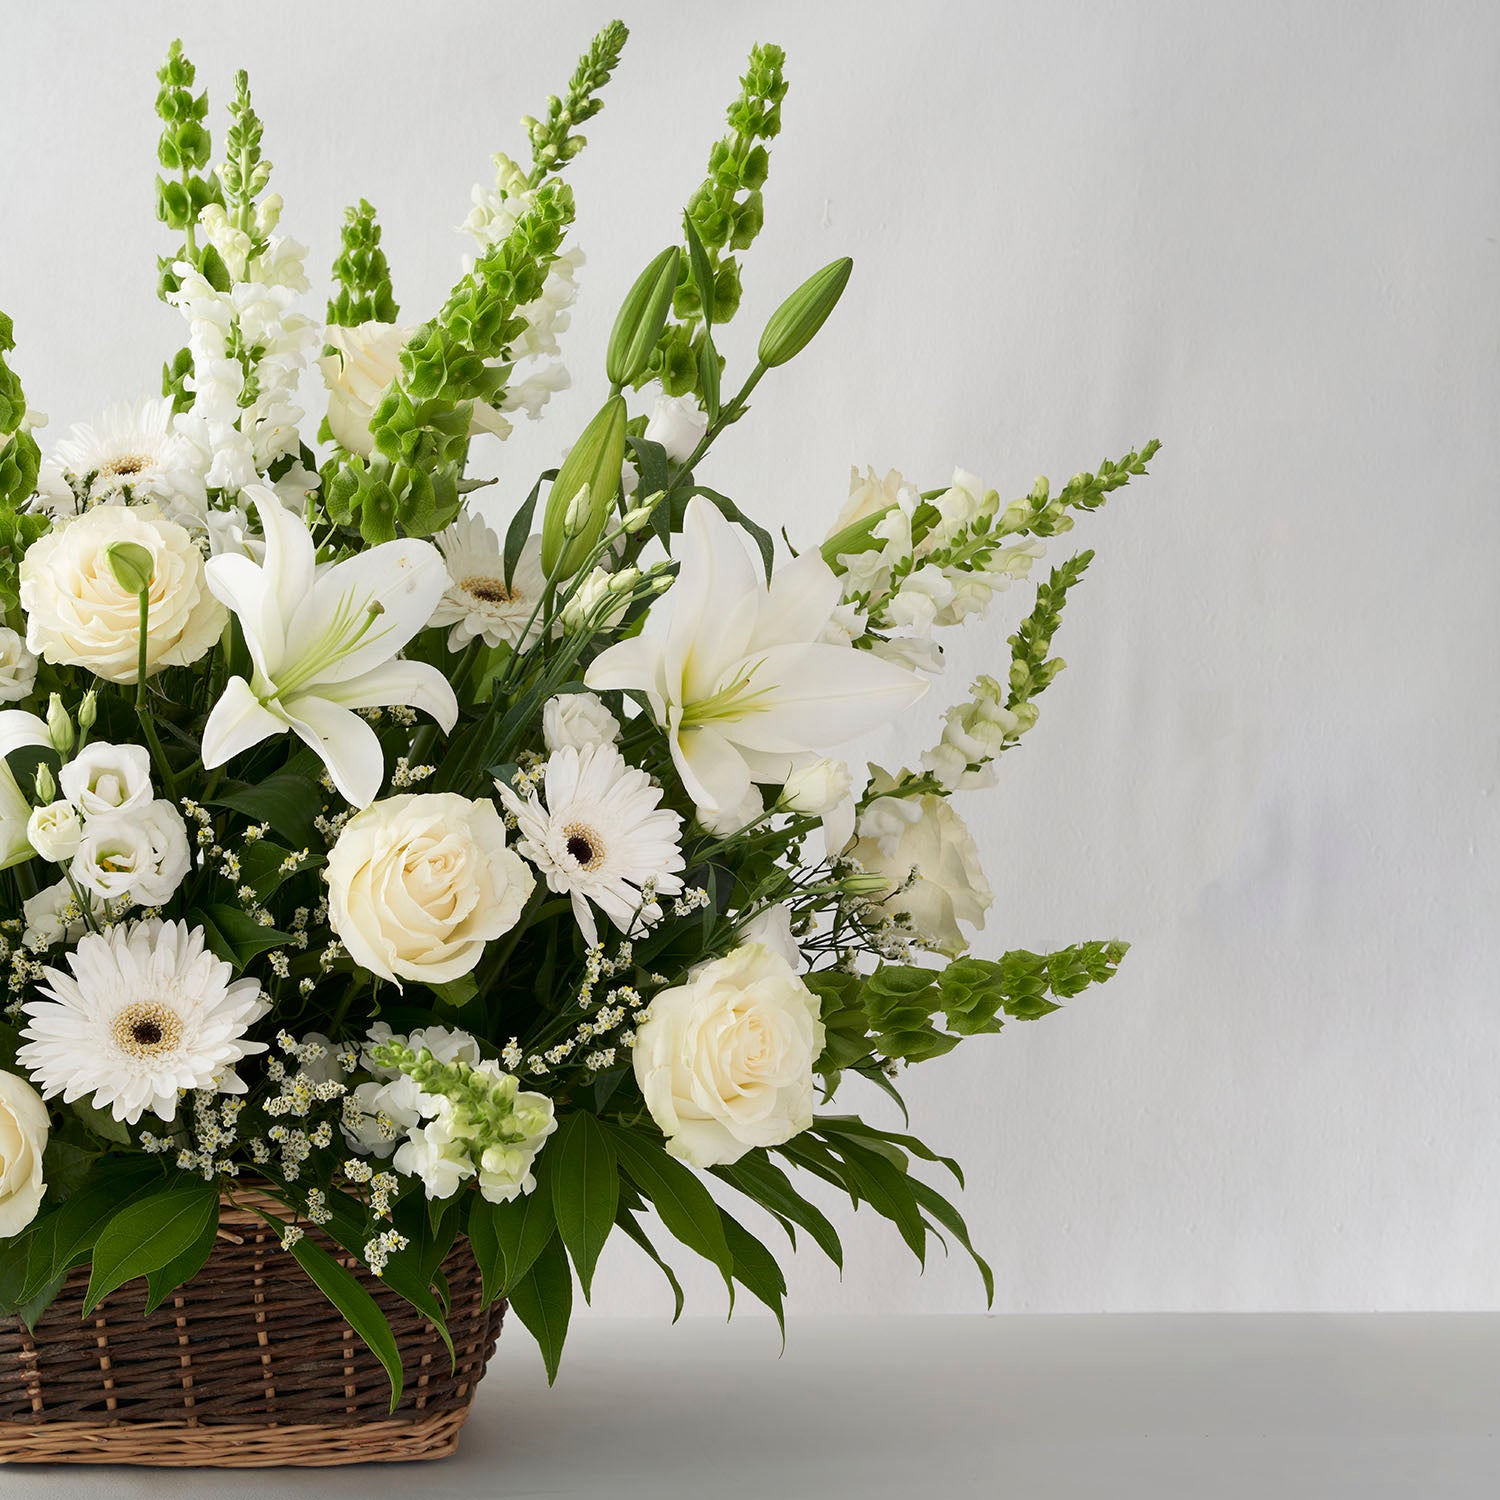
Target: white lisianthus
[(899, 835), (17, 667), (725, 1061), (140, 854), (105, 778), (79, 614), (24, 1128), (578, 719), (725, 822), (678, 424), (772, 928), (55, 831), (54, 915), (17, 729), (418, 884)]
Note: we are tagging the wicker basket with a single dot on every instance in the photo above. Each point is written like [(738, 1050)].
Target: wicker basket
[(248, 1365)]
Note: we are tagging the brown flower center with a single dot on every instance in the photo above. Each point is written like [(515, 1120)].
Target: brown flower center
[(127, 466), (490, 590), (584, 845), (146, 1028)]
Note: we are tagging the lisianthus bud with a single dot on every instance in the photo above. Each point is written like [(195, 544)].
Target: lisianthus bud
[(59, 726), (578, 513), (46, 784), (817, 788), (88, 710), (794, 324)]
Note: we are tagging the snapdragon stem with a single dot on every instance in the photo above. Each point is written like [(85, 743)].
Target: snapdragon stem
[(143, 706)]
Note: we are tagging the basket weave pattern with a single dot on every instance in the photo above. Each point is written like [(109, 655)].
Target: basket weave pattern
[(246, 1365)]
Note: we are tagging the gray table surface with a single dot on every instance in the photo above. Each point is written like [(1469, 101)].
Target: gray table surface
[(1210, 1407)]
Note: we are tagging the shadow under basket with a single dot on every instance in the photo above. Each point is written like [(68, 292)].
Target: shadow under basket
[(246, 1366)]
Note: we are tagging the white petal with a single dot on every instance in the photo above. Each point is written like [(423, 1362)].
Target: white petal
[(710, 625), (346, 744), (291, 559), (712, 770), (414, 683), (238, 721), (799, 604), (245, 588)]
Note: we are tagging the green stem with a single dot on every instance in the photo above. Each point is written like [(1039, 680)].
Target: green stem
[(143, 706)]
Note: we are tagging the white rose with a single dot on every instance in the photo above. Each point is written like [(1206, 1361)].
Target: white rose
[(17, 667), (578, 719), (817, 788), (78, 613), (366, 359), (141, 854), (23, 1139), (725, 1061), (899, 834), (105, 778), (678, 424), (55, 831), (418, 884)]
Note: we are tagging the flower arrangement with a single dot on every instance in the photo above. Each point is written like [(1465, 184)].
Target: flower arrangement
[(444, 878)]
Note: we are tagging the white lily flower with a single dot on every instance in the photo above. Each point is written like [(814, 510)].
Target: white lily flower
[(322, 642), (739, 677)]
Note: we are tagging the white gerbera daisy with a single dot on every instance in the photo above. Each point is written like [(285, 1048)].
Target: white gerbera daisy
[(601, 836), (478, 601), (147, 1012), (128, 455)]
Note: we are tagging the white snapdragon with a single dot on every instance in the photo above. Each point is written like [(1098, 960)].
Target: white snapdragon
[(974, 733)]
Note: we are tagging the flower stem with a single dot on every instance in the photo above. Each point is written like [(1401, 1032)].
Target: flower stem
[(143, 706)]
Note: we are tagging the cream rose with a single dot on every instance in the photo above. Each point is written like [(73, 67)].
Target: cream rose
[(79, 614), (418, 884), (900, 834), (23, 1139), (725, 1061), (578, 719), (366, 359)]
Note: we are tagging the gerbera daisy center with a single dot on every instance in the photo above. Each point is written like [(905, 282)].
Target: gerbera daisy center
[(146, 1028), (584, 845), (128, 465), (489, 590)]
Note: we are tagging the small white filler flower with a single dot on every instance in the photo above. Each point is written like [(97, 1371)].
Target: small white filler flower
[(601, 836), (147, 1011)]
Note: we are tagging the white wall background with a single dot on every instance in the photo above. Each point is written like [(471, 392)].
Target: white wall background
[(1266, 234)]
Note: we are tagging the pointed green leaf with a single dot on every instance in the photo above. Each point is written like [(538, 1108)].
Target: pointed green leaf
[(543, 1300), (756, 1270), (585, 1186), (150, 1234), (949, 1217), (165, 1280), (632, 1227), (761, 1180), (522, 1228)]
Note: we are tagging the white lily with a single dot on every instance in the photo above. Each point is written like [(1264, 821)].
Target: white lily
[(17, 728), (322, 642), (739, 677)]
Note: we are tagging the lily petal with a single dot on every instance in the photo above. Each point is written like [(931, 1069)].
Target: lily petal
[(346, 744), (712, 770), (414, 683), (238, 721), (716, 575)]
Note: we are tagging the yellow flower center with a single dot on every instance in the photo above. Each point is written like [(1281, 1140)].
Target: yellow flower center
[(128, 466), (146, 1028), (584, 845), (487, 590)]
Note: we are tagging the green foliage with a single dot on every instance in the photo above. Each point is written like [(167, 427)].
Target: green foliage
[(244, 172), (554, 141), (726, 214), (585, 1183), (1042, 513), (543, 1300), (593, 462), (20, 459), (158, 1236), (183, 152), (361, 273), (451, 364)]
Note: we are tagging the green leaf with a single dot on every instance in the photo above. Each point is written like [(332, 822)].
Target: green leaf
[(457, 992), (543, 1300), (519, 531), (887, 1189), (682, 1203), (940, 1209), (522, 1228), (235, 935), (756, 1270), (701, 269), (585, 1183), (165, 1280), (632, 1227), (853, 1125), (150, 1234), (762, 1181), (287, 801), (485, 1245), (360, 1310)]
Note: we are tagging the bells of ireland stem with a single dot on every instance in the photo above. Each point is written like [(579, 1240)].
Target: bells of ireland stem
[(641, 318), (594, 460), (794, 323)]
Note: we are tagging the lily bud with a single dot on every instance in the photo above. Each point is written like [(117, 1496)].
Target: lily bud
[(798, 319), (594, 462), (59, 728), (132, 566), (641, 318)]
